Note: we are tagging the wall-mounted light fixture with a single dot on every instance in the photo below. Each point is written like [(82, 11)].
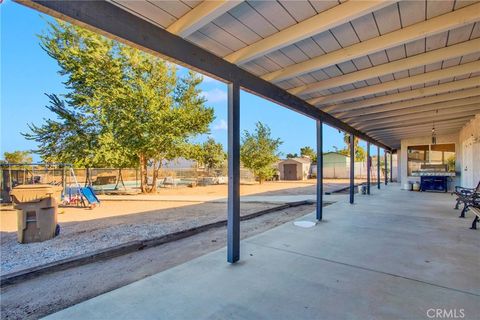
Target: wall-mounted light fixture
[(434, 134)]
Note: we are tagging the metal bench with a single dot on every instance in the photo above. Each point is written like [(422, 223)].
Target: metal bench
[(467, 196), (476, 218)]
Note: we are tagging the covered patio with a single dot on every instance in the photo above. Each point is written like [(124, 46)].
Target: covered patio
[(401, 75), (392, 255)]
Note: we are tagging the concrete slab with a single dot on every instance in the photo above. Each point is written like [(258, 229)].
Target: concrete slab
[(393, 255)]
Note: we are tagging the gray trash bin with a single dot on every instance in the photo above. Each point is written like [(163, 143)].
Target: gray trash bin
[(37, 207)]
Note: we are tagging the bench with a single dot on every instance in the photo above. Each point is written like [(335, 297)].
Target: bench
[(467, 196), (476, 212), (103, 180)]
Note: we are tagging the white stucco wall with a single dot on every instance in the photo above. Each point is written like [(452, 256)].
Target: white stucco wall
[(470, 134), (441, 139)]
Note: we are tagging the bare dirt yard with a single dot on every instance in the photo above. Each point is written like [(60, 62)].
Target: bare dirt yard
[(144, 217)]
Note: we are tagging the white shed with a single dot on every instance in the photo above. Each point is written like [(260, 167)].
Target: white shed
[(294, 168)]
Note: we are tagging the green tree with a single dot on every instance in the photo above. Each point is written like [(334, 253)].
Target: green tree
[(209, 154), (360, 154), (259, 151), (309, 152), (17, 157), (123, 108), (292, 155)]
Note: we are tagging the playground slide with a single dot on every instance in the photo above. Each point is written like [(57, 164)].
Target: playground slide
[(89, 195)]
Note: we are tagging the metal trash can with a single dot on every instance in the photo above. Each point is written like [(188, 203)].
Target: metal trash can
[(37, 207)]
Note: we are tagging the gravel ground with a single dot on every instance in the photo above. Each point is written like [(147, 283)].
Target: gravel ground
[(81, 237)]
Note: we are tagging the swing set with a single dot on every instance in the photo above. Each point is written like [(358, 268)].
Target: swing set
[(14, 174)]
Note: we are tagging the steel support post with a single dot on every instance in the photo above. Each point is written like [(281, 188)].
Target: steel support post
[(391, 166), (369, 164), (378, 167), (386, 166), (319, 170), (352, 168), (233, 219)]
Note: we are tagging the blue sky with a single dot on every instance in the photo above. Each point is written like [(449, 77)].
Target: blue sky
[(27, 73)]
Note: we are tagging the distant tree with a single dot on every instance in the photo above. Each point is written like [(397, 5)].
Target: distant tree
[(124, 107), (292, 155), (360, 154), (17, 157), (309, 152), (210, 154), (259, 151)]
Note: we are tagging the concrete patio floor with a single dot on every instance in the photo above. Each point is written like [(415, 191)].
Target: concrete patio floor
[(393, 255)]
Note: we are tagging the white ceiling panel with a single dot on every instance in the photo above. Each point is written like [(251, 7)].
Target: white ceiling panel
[(299, 10), (274, 13), (233, 26), (388, 19), (345, 35), (436, 7), (321, 5), (174, 8), (253, 20), (327, 41), (411, 12)]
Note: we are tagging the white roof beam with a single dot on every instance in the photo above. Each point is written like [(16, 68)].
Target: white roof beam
[(412, 94), (438, 122), (452, 20), (414, 115), (436, 75), (474, 92), (201, 15), (418, 132), (414, 109), (319, 23), (395, 139), (471, 110), (454, 51)]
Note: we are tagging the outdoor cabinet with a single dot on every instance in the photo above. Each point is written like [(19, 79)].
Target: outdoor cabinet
[(433, 183)]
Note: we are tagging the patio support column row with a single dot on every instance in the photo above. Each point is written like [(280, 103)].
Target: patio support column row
[(369, 164), (386, 166), (378, 167), (352, 168), (233, 216), (319, 170)]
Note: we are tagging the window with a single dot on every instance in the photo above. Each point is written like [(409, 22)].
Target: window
[(430, 154), (443, 154), (417, 155)]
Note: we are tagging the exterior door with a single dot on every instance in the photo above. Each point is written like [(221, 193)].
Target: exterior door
[(468, 170), (290, 171)]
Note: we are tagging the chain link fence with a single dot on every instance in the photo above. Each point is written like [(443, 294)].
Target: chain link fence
[(112, 179)]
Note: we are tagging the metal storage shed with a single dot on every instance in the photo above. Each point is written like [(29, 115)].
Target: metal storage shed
[(294, 168)]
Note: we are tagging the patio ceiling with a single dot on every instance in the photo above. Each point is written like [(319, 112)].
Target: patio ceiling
[(385, 68)]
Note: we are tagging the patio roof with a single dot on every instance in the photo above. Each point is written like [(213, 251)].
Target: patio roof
[(383, 68)]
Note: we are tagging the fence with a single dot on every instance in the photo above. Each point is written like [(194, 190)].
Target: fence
[(109, 179), (341, 170)]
